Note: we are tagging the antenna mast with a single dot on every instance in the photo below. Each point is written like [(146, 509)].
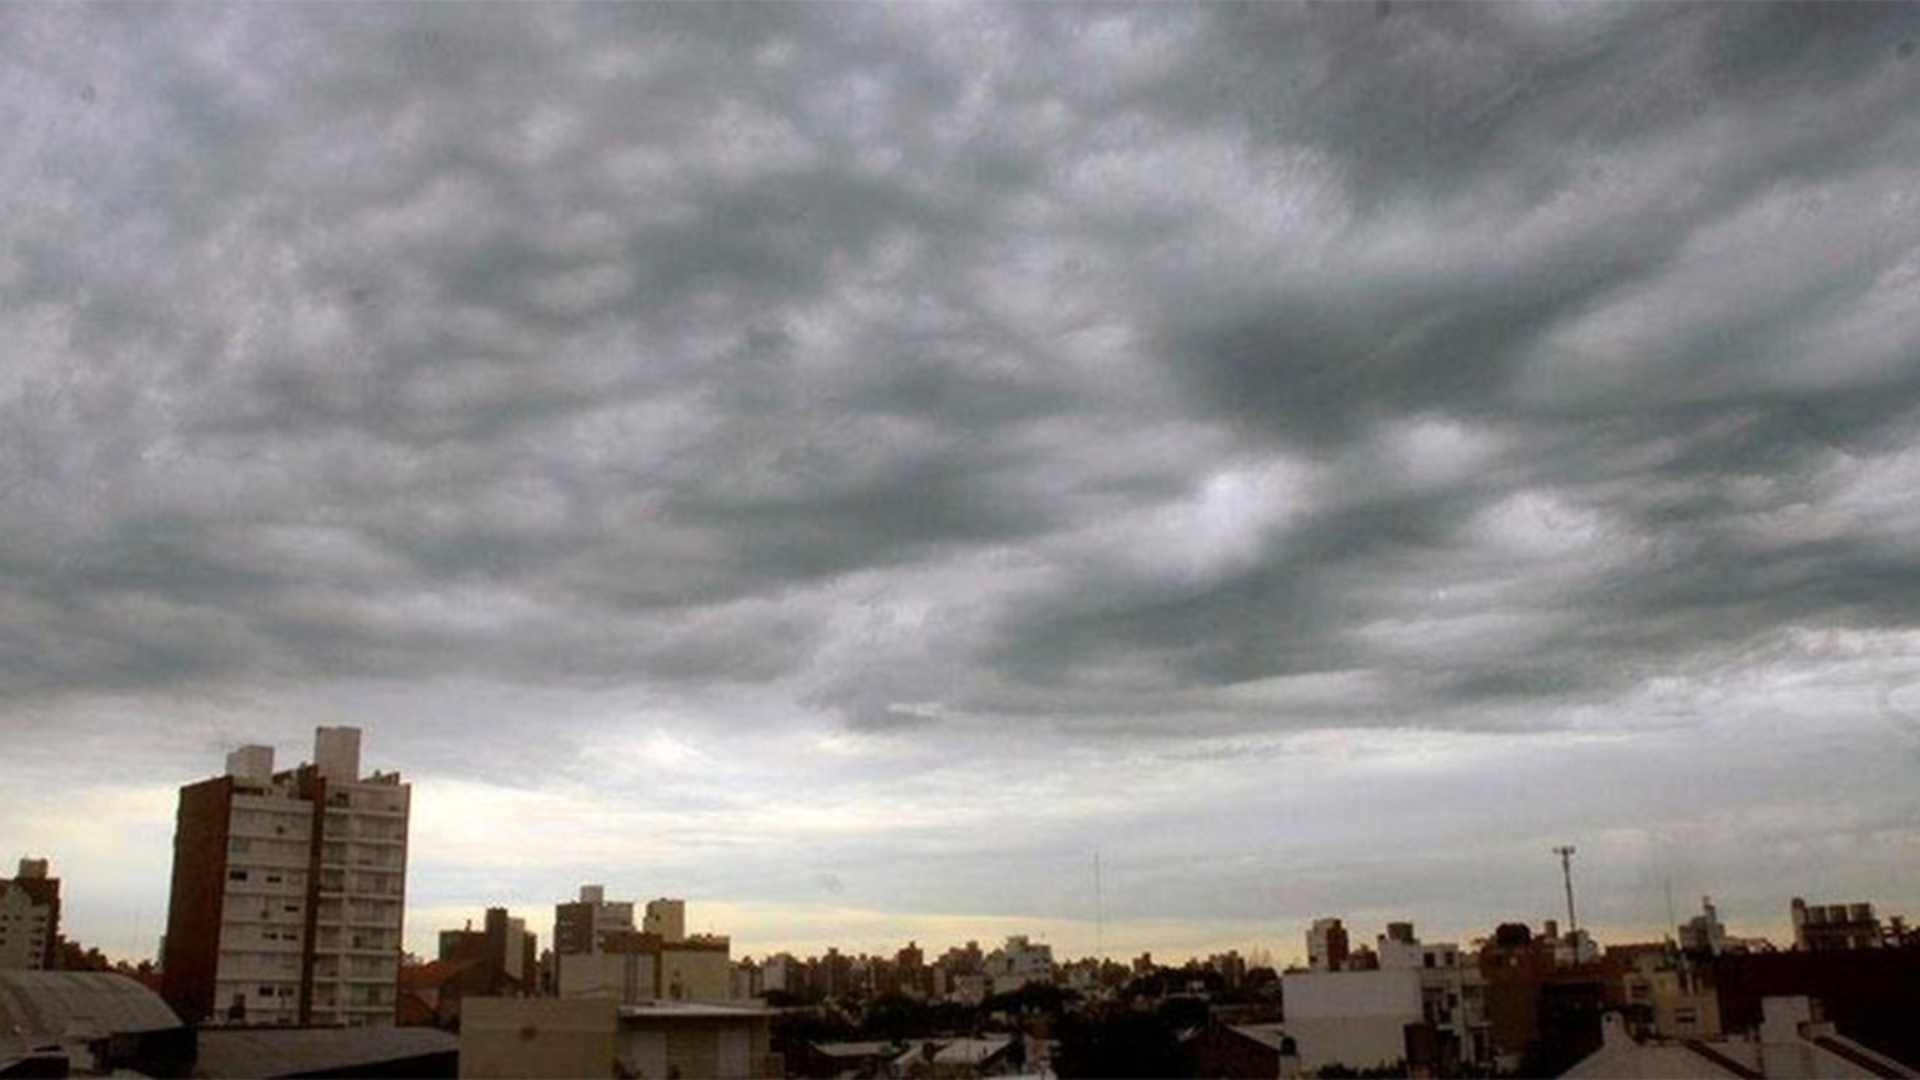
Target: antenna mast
[(1565, 851), (1099, 912)]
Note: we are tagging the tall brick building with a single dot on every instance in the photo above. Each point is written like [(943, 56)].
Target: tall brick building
[(289, 891)]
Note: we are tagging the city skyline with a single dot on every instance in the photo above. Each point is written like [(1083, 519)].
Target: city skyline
[(848, 465)]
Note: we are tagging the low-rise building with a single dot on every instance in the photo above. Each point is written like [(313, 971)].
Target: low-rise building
[(549, 1037), (1356, 1019), (56, 1022), (1357, 1016)]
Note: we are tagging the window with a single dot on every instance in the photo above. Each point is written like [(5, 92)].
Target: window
[(236, 875), (273, 879)]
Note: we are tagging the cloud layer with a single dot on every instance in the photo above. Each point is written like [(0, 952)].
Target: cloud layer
[(935, 441)]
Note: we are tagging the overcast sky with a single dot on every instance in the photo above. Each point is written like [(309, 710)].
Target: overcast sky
[(848, 465)]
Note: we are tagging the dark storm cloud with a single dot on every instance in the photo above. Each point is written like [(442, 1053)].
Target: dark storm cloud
[(1119, 358)]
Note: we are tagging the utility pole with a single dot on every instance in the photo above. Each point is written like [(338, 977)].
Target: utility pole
[(1565, 851)]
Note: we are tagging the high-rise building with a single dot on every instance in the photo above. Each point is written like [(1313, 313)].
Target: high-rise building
[(30, 918), (1327, 945), (289, 891), (579, 926)]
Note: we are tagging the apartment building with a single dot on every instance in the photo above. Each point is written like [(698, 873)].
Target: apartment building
[(29, 918), (289, 891), (598, 953)]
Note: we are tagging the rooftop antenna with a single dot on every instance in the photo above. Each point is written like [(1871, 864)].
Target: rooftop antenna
[(1673, 920), (1099, 912), (1565, 851)]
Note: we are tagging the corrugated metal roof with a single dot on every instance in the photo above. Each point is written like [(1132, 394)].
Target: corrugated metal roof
[(271, 1052), (68, 1005)]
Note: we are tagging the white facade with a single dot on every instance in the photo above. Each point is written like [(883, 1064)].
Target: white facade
[(1018, 963), (1357, 1018), (359, 897), (782, 972), (264, 908), (1351, 1018)]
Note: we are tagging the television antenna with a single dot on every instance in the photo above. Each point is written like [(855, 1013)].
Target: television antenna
[(1565, 851)]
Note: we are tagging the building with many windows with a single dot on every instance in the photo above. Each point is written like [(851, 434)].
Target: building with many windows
[(289, 891), (29, 918)]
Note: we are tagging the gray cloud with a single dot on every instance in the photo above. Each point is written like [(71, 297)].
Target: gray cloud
[(1172, 377)]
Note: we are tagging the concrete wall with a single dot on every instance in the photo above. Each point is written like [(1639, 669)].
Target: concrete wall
[(625, 976), (724, 1049), (1352, 1018), (538, 1038), (698, 974)]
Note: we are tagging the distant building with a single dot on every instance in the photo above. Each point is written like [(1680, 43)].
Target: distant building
[(503, 945), (1230, 966), (29, 918), (288, 891), (599, 954), (1823, 927), (1327, 946), (782, 972), (498, 960), (1703, 933), (578, 926), (1668, 992), (1020, 962)]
